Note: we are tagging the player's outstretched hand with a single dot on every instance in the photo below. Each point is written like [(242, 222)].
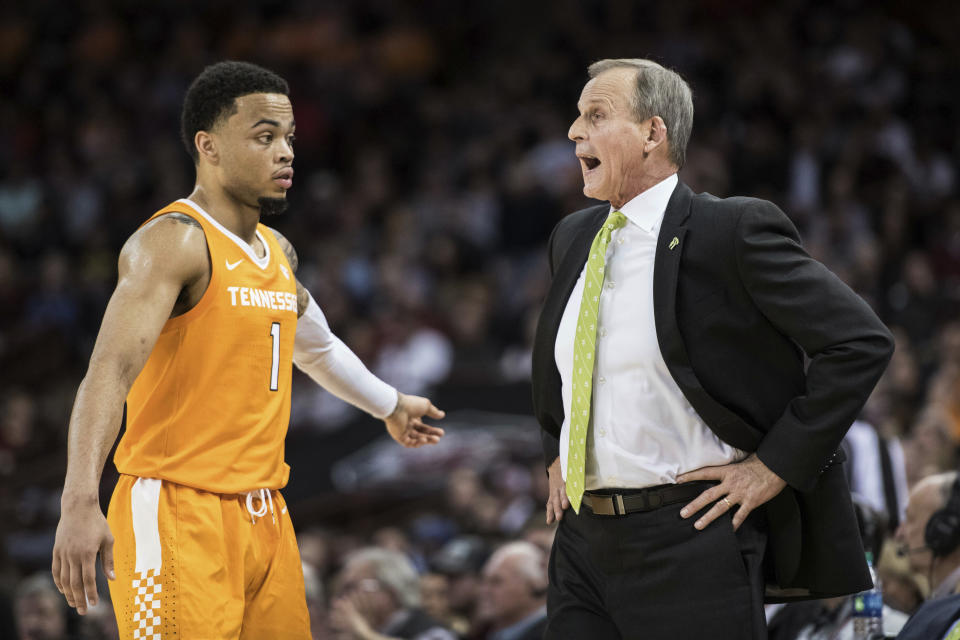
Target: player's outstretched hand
[(81, 534), (406, 426)]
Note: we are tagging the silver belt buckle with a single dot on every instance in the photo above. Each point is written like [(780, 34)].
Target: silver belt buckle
[(619, 504)]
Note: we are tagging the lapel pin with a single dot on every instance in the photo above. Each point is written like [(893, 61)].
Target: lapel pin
[(674, 242)]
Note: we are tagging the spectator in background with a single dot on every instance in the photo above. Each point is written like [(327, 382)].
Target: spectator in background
[(934, 550), (378, 597), (875, 470), (19, 440), (540, 534), (435, 597), (931, 448), (461, 560), (930, 537), (903, 589), (100, 623), (314, 544), (40, 610), (513, 593), (316, 606), (831, 618)]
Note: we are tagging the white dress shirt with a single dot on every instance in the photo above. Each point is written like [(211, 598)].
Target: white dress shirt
[(644, 432)]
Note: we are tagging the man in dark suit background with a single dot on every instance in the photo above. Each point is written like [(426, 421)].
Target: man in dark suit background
[(694, 372), (512, 598)]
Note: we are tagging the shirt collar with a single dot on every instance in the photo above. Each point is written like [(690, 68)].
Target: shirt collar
[(647, 208)]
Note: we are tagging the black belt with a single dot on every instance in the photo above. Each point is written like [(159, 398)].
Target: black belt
[(618, 504)]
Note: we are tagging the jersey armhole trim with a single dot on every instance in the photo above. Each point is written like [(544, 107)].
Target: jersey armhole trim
[(205, 301)]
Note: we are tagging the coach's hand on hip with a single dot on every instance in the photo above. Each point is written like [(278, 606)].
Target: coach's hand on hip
[(745, 485), (557, 500), (81, 534)]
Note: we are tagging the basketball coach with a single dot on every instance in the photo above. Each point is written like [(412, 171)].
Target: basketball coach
[(694, 372)]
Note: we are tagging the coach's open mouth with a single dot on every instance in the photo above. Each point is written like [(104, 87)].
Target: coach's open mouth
[(589, 162)]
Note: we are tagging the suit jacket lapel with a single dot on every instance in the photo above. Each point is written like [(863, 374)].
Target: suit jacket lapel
[(666, 269)]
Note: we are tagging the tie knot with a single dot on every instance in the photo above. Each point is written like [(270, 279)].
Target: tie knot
[(615, 220)]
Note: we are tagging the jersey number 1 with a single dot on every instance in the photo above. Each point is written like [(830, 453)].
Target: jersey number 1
[(275, 367)]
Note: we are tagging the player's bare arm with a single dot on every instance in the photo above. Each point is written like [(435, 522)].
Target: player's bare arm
[(303, 296), (405, 424), (163, 270)]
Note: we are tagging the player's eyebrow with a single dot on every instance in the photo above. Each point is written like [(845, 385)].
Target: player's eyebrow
[(261, 121), (272, 123)]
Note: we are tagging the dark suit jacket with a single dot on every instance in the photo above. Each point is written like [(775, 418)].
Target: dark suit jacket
[(773, 351), (533, 632), (933, 619)]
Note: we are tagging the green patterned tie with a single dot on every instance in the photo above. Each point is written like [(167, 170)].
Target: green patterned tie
[(584, 347)]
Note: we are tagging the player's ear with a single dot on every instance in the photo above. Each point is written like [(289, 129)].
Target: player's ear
[(206, 146)]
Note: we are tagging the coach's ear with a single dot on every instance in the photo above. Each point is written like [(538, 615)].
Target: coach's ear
[(656, 135), (206, 147)]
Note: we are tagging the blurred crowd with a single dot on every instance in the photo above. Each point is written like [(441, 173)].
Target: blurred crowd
[(432, 163)]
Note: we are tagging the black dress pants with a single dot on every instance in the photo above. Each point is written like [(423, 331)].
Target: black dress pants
[(652, 576)]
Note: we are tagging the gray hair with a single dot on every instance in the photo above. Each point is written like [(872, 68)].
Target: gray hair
[(659, 92), (38, 584), (530, 561), (946, 481), (393, 570), (941, 483)]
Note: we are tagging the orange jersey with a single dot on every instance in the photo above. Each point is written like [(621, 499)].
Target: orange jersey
[(211, 406)]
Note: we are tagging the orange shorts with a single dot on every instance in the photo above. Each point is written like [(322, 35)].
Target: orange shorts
[(193, 565)]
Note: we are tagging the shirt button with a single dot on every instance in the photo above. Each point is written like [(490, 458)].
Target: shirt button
[(602, 380), (620, 240), (602, 432), (611, 285), (603, 333)]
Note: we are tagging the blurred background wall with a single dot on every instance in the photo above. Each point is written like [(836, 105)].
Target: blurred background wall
[(432, 163)]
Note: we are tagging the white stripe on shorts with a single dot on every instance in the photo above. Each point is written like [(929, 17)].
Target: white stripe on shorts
[(145, 501)]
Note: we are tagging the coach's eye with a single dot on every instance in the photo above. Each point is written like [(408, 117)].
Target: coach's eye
[(265, 138)]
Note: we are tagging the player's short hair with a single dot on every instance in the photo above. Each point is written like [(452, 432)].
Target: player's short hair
[(212, 96), (658, 92)]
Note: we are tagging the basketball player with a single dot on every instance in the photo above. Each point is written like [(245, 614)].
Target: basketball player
[(198, 338)]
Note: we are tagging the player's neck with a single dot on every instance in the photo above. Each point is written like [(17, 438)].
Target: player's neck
[(238, 218)]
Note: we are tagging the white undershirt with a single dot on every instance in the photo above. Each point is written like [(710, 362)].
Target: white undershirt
[(644, 432)]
